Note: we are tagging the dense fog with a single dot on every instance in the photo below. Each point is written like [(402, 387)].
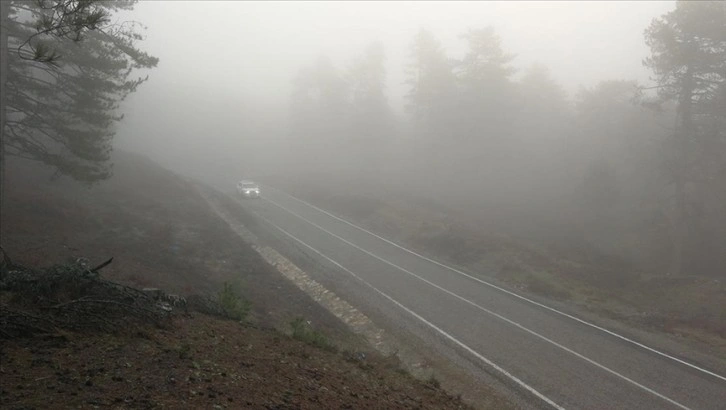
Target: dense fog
[(541, 119), (369, 204), (235, 70)]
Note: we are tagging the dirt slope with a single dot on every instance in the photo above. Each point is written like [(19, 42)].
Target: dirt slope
[(202, 362), (162, 234)]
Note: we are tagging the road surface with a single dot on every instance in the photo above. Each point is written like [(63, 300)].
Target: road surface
[(554, 359)]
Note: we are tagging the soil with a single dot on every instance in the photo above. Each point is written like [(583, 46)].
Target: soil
[(162, 234), (202, 362)]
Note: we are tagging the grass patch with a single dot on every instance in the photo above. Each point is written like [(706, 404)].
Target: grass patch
[(302, 331), (185, 350), (433, 382), (546, 285), (234, 305)]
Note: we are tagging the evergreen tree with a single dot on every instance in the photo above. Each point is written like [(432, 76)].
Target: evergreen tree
[(688, 58), (68, 70)]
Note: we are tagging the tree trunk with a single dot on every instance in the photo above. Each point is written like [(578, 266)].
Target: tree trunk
[(4, 12), (678, 230), (685, 132)]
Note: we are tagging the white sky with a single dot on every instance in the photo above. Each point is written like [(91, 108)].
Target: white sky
[(252, 49), (226, 67)]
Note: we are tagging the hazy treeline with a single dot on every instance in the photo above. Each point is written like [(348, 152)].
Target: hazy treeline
[(635, 171)]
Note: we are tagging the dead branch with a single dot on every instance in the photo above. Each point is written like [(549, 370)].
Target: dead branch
[(101, 266)]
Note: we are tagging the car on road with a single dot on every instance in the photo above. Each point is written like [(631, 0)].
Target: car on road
[(248, 189)]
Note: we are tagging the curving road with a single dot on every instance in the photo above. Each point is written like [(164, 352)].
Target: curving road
[(554, 359)]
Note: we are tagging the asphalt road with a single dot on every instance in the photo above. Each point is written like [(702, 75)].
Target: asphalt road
[(556, 360)]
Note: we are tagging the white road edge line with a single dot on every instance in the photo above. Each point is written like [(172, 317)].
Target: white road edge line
[(483, 309), (419, 317), (575, 318)]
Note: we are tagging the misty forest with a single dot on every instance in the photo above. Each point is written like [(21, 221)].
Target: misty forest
[(567, 175), (637, 170)]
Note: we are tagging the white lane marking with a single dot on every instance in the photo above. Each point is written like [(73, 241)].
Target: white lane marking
[(419, 317), (483, 309), (575, 318)]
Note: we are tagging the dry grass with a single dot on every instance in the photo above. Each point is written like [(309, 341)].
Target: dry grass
[(573, 272)]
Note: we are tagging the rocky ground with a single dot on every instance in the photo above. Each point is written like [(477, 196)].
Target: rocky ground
[(202, 362)]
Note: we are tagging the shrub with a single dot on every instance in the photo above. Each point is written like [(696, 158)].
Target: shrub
[(234, 306), (185, 350), (433, 382), (302, 331)]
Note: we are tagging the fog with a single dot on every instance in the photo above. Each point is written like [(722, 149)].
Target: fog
[(523, 115), (226, 68), (251, 50), (413, 165)]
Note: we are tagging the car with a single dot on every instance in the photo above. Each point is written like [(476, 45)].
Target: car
[(248, 189)]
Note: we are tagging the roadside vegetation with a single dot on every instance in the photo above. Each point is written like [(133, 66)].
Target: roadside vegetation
[(304, 332), (234, 305), (611, 197), (571, 273), (87, 341)]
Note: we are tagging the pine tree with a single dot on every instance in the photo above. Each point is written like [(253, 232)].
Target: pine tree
[(68, 69)]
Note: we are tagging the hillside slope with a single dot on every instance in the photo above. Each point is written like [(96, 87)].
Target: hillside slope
[(162, 234)]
